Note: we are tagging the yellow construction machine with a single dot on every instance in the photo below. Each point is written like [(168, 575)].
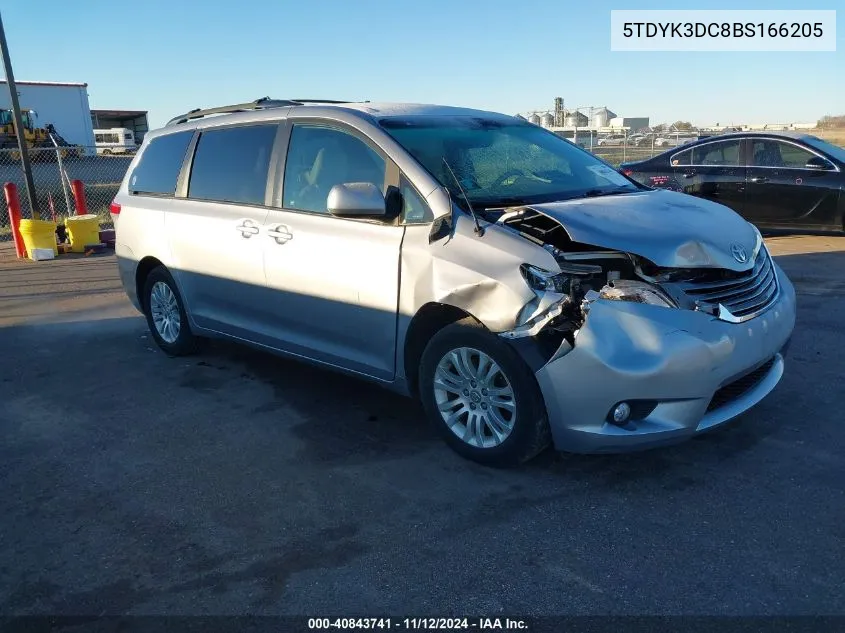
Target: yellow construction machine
[(39, 140)]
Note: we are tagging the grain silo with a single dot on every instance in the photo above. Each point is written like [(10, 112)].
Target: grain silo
[(602, 116), (576, 119)]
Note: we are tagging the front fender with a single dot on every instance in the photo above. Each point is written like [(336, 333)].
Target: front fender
[(481, 274)]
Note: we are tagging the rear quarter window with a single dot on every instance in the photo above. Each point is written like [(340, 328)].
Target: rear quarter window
[(158, 169), (682, 158)]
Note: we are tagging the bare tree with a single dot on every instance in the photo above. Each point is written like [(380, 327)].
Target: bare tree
[(828, 121)]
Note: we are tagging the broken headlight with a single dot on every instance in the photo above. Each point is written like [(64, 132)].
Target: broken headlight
[(636, 292), (545, 281)]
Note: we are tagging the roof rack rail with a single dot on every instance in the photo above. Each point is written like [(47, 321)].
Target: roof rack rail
[(258, 104)]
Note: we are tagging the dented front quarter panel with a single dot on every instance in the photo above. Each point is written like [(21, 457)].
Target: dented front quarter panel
[(478, 274)]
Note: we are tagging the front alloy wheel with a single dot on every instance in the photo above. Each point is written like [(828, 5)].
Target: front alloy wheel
[(475, 398), (482, 396)]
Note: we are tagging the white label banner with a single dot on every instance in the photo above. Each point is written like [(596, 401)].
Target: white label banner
[(722, 30)]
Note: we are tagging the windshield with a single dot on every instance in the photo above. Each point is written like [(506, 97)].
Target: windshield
[(837, 152), (502, 163)]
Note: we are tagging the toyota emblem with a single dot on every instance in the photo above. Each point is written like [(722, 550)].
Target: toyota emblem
[(739, 253)]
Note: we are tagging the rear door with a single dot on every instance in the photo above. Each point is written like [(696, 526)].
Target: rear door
[(333, 282), (714, 171), (781, 190), (215, 230)]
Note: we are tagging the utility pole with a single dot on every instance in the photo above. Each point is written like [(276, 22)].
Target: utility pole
[(16, 114)]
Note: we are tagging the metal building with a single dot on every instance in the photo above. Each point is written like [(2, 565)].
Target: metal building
[(65, 105), (135, 120), (632, 123)]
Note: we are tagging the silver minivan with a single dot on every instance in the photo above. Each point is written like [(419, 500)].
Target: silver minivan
[(522, 289)]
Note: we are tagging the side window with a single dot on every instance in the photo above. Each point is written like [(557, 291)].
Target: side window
[(682, 158), (794, 156), (765, 153), (161, 161), (771, 153), (98, 138), (231, 164), (721, 153), (414, 208), (319, 158)]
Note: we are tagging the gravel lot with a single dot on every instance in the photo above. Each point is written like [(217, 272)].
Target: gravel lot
[(236, 482)]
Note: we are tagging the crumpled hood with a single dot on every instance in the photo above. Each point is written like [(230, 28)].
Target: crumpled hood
[(671, 229)]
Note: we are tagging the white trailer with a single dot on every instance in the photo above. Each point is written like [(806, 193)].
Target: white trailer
[(116, 140), (65, 105)]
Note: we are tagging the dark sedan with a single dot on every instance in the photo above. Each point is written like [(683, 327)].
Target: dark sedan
[(774, 180)]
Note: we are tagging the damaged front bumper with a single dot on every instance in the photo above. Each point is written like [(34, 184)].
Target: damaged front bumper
[(682, 372)]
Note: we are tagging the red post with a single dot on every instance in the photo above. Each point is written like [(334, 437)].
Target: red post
[(14, 205), (78, 188)]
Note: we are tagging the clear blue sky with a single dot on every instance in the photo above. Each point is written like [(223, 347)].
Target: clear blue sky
[(510, 56)]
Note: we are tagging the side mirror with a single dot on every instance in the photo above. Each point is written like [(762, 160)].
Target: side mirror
[(356, 199), (818, 163)]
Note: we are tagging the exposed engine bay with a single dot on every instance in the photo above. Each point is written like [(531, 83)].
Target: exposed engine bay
[(589, 272)]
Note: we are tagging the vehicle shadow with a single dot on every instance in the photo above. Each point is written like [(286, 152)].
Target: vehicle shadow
[(347, 418)]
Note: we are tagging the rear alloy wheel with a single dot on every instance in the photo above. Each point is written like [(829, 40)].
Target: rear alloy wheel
[(482, 396), (166, 316)]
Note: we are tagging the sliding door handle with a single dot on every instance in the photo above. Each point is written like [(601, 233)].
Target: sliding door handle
[(247, 228), (281, 234)]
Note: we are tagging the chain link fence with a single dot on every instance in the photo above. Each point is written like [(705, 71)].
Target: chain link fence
[(626, 146), (53, 169)]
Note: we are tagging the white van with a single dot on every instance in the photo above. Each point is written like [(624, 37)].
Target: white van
[(117, 140)]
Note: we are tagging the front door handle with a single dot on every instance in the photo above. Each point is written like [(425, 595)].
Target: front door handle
[(759, 179), (248, 228), (281, 234)]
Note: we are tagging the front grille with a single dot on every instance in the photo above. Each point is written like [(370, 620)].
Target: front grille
[(740, 386), (742, 294)]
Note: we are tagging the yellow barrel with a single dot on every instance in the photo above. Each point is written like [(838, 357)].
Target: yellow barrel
[(82, 230), (38, 234)]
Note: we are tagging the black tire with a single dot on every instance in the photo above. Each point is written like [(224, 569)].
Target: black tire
[(530, 434), (185, 343), (106, 152)]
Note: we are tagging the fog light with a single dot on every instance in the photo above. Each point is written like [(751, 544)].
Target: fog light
[(621, 412)]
